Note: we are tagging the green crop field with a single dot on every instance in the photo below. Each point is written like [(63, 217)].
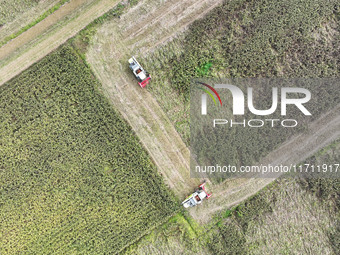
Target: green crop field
[(289, 216), (241, 38), (74, 178), (299, 215)]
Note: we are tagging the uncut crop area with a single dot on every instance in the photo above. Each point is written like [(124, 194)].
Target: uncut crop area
[(240, 38), (74, 178)]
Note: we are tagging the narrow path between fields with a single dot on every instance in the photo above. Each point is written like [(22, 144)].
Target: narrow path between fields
[(49, 40)]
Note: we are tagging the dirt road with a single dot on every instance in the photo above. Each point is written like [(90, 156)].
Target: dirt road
[(112, 46), (140, 31), (50, 39)]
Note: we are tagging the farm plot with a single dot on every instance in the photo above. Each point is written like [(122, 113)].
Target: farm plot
[(276, 216), (10, 10), (31, 46), (74, 178), (240, 39), (179, 235), (292, 215), (176, 51), (233, 191), (304, 210), (16, 14)]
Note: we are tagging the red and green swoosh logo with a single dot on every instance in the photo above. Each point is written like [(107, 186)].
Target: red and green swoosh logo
[(209, 93)]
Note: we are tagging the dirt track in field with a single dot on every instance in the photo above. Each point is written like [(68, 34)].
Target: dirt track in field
[(39, 28), (139, 31), (72, 17)]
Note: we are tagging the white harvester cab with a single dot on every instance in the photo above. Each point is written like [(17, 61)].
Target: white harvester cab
[(142, 76), (197, 197)]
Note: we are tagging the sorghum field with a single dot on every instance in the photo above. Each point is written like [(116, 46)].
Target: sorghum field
[(73, 176)]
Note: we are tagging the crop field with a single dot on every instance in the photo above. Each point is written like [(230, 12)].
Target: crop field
[(297, 215), (159, 52), (300, 215), (240, 39), (92, 164), (179, 235), (16, 14), (74, 178), (11, 9)]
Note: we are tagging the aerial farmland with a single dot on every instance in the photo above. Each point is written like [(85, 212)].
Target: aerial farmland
[(102, 133)]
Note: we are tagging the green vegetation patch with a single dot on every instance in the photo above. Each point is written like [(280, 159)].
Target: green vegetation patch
[(179, 235), (246, 38), (74, 178), (305, 210)]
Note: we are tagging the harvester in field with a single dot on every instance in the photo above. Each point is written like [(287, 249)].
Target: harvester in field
[(142, 76), (197, 197)]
